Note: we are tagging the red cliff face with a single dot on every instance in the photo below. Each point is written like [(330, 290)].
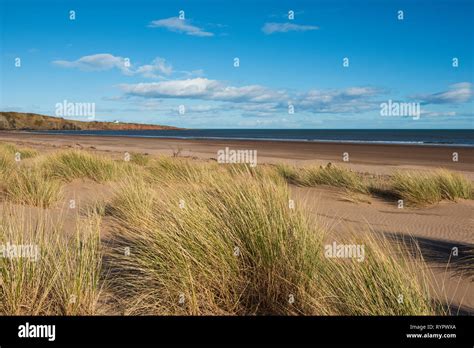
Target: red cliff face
[(121, 126), (30, 121)]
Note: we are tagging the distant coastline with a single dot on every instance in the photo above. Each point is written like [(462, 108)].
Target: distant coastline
[(36, 122), (42, 124)]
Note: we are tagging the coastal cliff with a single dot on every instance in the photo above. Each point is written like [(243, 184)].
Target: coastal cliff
[(31, 121)]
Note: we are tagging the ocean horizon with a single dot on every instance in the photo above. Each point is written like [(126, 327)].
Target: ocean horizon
[(367, 136)]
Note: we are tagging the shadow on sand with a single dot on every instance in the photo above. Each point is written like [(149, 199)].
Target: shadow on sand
[(454, 257)]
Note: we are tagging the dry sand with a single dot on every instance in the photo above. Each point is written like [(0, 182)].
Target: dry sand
[(437, 228)]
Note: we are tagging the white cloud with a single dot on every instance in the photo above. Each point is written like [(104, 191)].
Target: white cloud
[(203, 108), (353, 99), (438, 114), (106, 61), (95, 62), (457, 93), (159, 65), (255, 99), (193, 73), (270, 28), (180, 26), (202, 88)]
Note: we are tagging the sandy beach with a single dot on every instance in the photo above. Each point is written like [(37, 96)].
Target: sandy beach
[(379, 159), (438, 228), (271, 172)]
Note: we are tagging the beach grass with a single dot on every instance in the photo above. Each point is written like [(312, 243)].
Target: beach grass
[(388, 281), (172, 169), (231, 245), (13, 150), (421, 188), (29, 185), (454, 185), (139, 158), (11, 154), (416, 187), (330, 175), (6, 163), (74, 164), (56, 274), (198, 238)]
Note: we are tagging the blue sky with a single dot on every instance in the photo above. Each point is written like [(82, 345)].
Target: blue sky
[(283, 62)]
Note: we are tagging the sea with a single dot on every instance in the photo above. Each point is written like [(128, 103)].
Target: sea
[(380, 136)]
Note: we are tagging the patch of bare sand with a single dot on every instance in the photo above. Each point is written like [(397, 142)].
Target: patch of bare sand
[(437, 229), (77, 196)]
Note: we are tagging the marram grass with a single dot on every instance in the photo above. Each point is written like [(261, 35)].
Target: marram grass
[(6, 163), (59, 275), (421, 188), (330, 175), (236, 248), (190, 237), (74, 164), (415, 187), (28, 185), (21, 152)]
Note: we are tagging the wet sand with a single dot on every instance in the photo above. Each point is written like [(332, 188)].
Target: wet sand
[(369, 156)]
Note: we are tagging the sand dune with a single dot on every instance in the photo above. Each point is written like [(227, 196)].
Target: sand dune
[(437, 228)]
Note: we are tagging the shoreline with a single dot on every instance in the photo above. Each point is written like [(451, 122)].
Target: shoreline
[(353, 142), (378, 158)]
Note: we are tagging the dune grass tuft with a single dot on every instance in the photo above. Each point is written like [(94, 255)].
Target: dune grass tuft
[(420, 188), (198, 251), (416, 187), (6, 163), (8, 154), (330, 175), (289, 173), (454, 185), (140, 158), (173, 169), (389, 281), (74, 164), (56, 274), (230, 244), (30, 186), (13, 150)]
